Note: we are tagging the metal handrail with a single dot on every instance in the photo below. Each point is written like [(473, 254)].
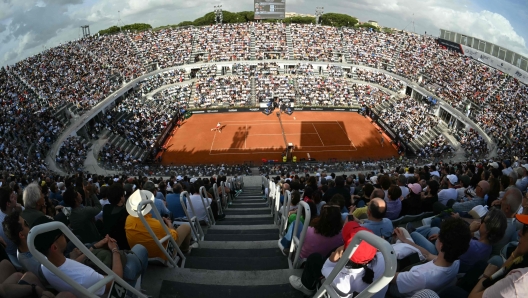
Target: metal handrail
[(168, 236), (43, 228), (277, 202), (207, 206), (390, 265), (225, 197), (297, 243), (218, 199), (285, 211), (193, 221)]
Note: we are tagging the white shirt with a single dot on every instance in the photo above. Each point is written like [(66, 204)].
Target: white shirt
[(447, 194), (426, 276), (405, 191), (80, 273), (100, 215), (201, 213), (351, 280)]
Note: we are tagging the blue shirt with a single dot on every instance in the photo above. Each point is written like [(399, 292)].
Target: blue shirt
[(160, 205), (477, 251), (381, 228), (393, 209)]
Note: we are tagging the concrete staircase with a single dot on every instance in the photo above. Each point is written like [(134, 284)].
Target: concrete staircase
[(238, 258), (136, 50), (289, 43)]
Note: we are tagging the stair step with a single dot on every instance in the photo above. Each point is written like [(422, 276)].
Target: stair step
[(237, 228), (170, 289), (255, 262), (242, 237), (245, 222), (247, 205), (247, 211), (241, 232)]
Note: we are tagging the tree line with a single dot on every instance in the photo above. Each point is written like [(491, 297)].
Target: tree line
[(327, 19)]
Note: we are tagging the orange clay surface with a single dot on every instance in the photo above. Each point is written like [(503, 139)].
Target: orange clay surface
[(253, 136)]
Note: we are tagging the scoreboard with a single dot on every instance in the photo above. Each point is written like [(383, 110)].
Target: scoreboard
[(270, 9)]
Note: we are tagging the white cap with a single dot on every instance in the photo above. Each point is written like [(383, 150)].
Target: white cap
[(179, 178), (134, 200), (374, 179), (193, 180), (525, 166), (494, 164), (453, 179)]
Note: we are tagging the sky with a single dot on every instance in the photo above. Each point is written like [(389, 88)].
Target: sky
[(30, 26)]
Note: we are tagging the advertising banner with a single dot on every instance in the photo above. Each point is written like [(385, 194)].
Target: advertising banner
[(496, 63)]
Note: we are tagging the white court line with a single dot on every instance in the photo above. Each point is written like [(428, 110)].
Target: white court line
[(279, 134), (318, 134), (344, 131), (212, 143)]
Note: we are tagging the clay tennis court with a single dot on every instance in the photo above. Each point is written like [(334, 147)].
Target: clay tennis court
[(253, 136)]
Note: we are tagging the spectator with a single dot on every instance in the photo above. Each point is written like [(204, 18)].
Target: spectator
[(394, 204), (136, 232), (34, 203), (82, 218)]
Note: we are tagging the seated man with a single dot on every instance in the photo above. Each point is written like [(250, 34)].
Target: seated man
[(161, 205), (52, 244), (481, 190), (17, 230), (441, 270), (136, 232), (376, 220)]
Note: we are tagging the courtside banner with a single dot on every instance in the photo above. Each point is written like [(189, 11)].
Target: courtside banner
[(255, 109)]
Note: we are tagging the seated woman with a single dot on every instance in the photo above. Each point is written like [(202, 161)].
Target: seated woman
[(324, 233), (365, 266), (285, 242)]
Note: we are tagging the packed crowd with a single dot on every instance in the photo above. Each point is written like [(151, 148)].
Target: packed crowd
[(270, 39), (327, 91), (26, 121), (226, 42), (370, 48), (138, 120), (161, 79), (452, 76), (262, 68), (168, 47), (409, 118), (72, 154), (301, 69), (503, 118), (267, 88), (315, 43), (456, 251), (379, 78), (473, 143), (230, 90), (71, 73)]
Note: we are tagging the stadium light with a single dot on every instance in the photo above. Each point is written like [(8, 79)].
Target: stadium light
[(219, 16), (318, 12)]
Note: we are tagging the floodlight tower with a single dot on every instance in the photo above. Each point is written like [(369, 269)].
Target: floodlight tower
[(318, 12), (219, 16)]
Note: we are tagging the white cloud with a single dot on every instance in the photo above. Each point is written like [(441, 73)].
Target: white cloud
[(432, 15)]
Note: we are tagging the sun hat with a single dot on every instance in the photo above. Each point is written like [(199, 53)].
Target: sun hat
[(134, 200)]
